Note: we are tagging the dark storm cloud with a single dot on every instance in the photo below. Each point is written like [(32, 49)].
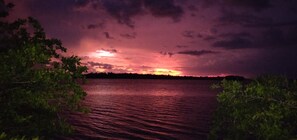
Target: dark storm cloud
[(212, 35), (245, 20), (92, 26), (58, 8), (254, 4), (272, 28), (210, 38), (269, 38), (205, 36), (193, 8), (233, 35), (199, 35), (291, 36), (164, 8), (205, 3), (95, 26), (182, 46), (101, 65), (276, 37), (110, 50), (124, 10), (231, 40), (233, 43), (197, 53), (250, 20), (167, 53), (107, 35), (53, 16), (274, 24), (213, 30), (269, 27), (273, 61), (81, 3), (189, 34), (94, 4), (129, 35)]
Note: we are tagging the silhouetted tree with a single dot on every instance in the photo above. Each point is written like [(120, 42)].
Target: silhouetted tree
[(265, 108), (36, 81)]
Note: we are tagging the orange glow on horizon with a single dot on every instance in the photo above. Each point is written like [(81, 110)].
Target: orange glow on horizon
[(98, 69), (162, 71)]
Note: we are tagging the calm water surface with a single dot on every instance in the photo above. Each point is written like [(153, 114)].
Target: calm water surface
[(146, 109)]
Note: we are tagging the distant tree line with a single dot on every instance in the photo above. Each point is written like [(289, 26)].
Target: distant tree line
[(152, 76)]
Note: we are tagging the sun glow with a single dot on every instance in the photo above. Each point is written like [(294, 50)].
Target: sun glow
[(162, 71), (98, 69), (102, 53)]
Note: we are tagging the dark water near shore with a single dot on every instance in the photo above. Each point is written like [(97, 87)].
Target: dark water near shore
[(146, 109)]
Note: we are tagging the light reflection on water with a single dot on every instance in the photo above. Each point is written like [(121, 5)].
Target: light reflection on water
[(146, 109)]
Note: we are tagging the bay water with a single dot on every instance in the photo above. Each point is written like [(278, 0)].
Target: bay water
[(146, 109)]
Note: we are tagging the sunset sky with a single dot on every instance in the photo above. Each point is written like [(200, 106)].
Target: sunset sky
[(177, 37)]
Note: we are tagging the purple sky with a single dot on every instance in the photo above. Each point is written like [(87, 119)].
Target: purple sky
[(177, 37)]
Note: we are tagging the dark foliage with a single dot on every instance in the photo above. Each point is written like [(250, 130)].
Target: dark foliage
[(37, 82), (265, 108)]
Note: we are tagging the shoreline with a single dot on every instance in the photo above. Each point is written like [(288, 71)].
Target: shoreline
[(150, 76)]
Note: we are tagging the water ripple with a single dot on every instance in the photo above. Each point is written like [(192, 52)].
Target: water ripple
[(146, 116)]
